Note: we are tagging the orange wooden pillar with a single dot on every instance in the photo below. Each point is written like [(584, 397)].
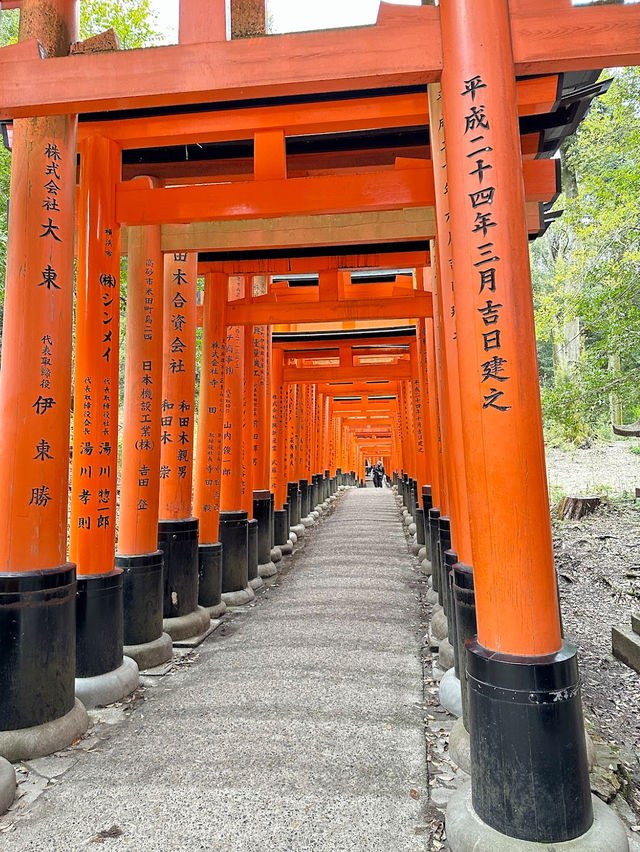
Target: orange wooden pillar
[(304, 453), (293, 458), (257, 369), (445, 306), (37, 664), (99, 612), (325, 464), (208, 461), (519, 668), (439, 482), (422, 458), (177, 527), (233, 518), (317, 466), (406, 437), (429, 495), (278, 455), (278, 430), (138, 554)]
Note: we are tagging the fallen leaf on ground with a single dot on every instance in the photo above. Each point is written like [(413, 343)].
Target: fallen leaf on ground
[(114, 831)]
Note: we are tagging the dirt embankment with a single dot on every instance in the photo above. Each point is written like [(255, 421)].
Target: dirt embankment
[(598, 564)]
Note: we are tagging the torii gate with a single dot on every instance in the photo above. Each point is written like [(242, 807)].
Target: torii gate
[(520, 672)]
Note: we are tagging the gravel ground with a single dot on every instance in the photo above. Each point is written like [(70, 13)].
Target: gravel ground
[(598, 563), (608, 467), (297, 725)]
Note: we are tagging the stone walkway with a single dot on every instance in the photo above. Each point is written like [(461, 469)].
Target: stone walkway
[(297, 726)]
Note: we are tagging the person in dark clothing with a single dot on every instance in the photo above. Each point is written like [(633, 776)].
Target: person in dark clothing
[(378, 475)]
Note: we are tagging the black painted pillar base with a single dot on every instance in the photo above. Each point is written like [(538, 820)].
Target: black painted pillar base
[(234, 535), (210, 579), (262, 512), (405, 490), (103, 673), (294, 502), (272, 507), (39, 713), (304, 499), (294, 499), (427, 505), (434, 517), (179, 542), (255, 581), (529, 771), (466, 625), (183, 617), (327, 485), (281, 530), (99, 624), (444, 543), (142, 600), (314, 499), (419, 517), (38, 641)]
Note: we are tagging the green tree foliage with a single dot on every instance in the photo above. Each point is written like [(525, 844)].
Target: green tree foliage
[(586, 269), (133, 21)]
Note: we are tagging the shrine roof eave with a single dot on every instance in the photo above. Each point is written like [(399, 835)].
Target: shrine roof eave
[(361, 334)]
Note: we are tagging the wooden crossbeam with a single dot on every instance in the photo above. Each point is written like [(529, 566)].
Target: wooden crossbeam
[(575, 38), (401, 53), (293, 232), (368, 411), (314, 375), (358, 292), (311, 265), (292, 64), (289, 233), (352, 193), (309, 345), (295, 120), (333, 353), (535, 96), (274, 313), (370, 191), (358, 388)]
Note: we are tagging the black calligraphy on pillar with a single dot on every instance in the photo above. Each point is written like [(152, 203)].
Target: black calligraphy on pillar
[(477, 135), (51, 204)]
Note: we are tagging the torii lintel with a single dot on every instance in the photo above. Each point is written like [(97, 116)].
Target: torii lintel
[(403, 49)]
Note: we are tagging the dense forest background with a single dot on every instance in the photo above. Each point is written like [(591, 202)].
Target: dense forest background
[(586, 274), (585, 269)]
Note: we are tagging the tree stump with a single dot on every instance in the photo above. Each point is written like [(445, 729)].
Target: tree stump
[(574, 508)]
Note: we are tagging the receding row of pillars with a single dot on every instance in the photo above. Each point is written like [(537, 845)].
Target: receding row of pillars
[(202, 515)]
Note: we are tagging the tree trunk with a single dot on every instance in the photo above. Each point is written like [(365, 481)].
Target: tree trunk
[(615, 404), (574, 508)]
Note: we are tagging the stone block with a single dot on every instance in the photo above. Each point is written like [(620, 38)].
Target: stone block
[(102, 43), (626, 646)]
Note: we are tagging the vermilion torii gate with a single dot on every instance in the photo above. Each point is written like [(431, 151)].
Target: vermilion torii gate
[(479, 399)]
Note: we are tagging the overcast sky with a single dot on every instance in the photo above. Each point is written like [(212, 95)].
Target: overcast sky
[(292, 15)]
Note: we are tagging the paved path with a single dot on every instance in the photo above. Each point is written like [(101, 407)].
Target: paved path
[(299, 727)]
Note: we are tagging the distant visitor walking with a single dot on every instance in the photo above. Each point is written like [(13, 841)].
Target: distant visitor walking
[(378, 475)]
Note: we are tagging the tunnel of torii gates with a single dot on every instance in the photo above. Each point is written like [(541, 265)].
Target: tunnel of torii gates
[(296, 197)]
